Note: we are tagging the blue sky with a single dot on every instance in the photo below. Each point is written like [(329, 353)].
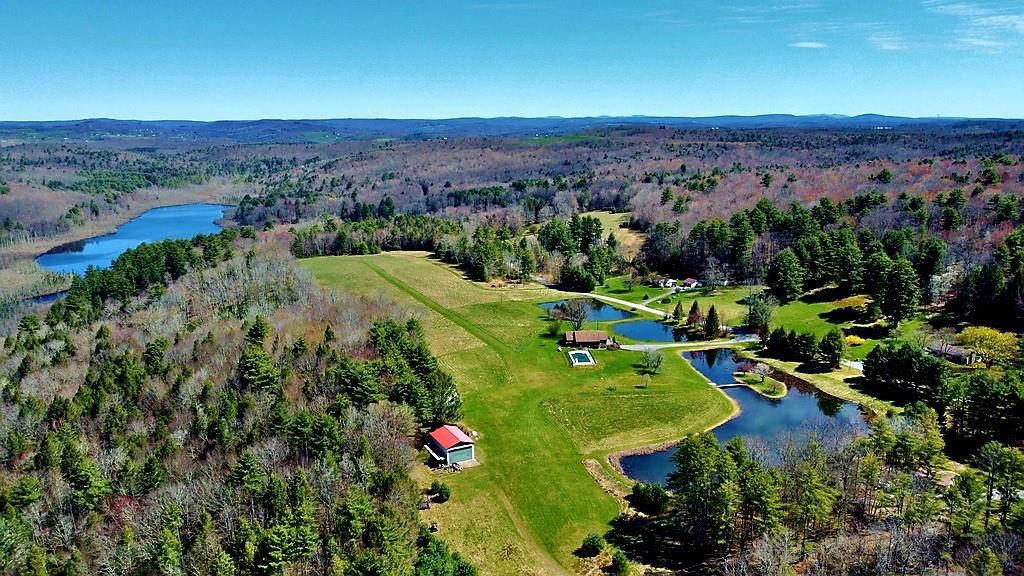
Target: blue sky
[(423, 59)]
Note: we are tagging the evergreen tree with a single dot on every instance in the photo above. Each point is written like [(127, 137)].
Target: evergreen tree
[(785, 276), (168, 554), (248, 473), (256, 371), (900, 293), (712, 324), (694, 317), (705, 492), (223, 565), (984, 562), (256, 335), (832, 347)]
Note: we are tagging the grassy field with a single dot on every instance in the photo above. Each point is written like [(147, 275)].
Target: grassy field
[(631, 240), (728, 301), (532, 500), (811, 315)]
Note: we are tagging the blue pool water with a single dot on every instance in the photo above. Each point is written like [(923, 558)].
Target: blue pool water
[(650, 330), (599, 311), (581, 357), (762, 421), (175, 222)]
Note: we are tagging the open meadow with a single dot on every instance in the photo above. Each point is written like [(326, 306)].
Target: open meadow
[(532, 500)]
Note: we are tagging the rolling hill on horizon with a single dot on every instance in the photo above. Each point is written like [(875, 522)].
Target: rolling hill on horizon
[(325, 130)]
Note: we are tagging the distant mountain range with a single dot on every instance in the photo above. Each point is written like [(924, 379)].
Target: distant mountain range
[(297, 131)]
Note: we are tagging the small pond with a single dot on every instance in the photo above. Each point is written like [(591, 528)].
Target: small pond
[(599, 311), (171, 222), (762, 421), (650, 330)]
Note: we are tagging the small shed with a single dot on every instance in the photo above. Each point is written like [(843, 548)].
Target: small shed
[(690, 283), (587, 338), (449, 444)]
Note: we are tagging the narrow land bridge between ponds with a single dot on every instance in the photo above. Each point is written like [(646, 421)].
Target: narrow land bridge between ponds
[(854, 364)]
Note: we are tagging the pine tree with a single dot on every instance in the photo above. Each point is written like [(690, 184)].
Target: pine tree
[(705, 492), (900, 293), (248, 473), (712, 324), (694, 317), (223, 565), (303, 518), (256, 371), (984, 563), (168, 554), (256, 335), (88, 485), (785, 276), (272, 553), (831, 348)]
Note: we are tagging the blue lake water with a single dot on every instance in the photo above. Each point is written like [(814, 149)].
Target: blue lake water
[(650, 330), (762, 421), (599, 311), (171, 222)]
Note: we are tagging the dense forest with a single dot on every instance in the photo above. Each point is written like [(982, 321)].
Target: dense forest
[(201, 407)]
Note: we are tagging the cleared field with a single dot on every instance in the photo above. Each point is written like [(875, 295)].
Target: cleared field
[(808, 315), (531, 502), (631, 240)]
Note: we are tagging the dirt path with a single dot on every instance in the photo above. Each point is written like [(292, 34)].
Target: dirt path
[(659, 297)]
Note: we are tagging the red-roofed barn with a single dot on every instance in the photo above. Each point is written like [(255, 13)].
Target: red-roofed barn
[(449, 444)]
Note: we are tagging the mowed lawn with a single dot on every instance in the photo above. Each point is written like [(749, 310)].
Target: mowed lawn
[(728, 301), (531, 502)]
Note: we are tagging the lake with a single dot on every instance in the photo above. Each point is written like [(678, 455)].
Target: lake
[(762, 421), (171, 222), (599, 311)]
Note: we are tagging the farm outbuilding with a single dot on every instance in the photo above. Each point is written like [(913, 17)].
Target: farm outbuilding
[(450, 445), (588, 338)]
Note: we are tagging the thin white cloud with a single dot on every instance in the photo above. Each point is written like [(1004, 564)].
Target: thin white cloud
[(990, 27), (888, 41), (809, 45)]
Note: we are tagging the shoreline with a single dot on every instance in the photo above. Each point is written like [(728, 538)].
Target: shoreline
[(109, 223), (615, 458), (68, 246)]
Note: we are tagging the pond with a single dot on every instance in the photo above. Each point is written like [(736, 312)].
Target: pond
[(171, 222), (650, 330), (762, 422), (599, 311)]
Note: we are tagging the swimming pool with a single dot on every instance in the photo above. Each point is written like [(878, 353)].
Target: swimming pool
[(581, 358)]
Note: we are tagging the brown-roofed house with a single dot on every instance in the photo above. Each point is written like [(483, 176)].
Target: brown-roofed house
[(957, 354), (587, 338)]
